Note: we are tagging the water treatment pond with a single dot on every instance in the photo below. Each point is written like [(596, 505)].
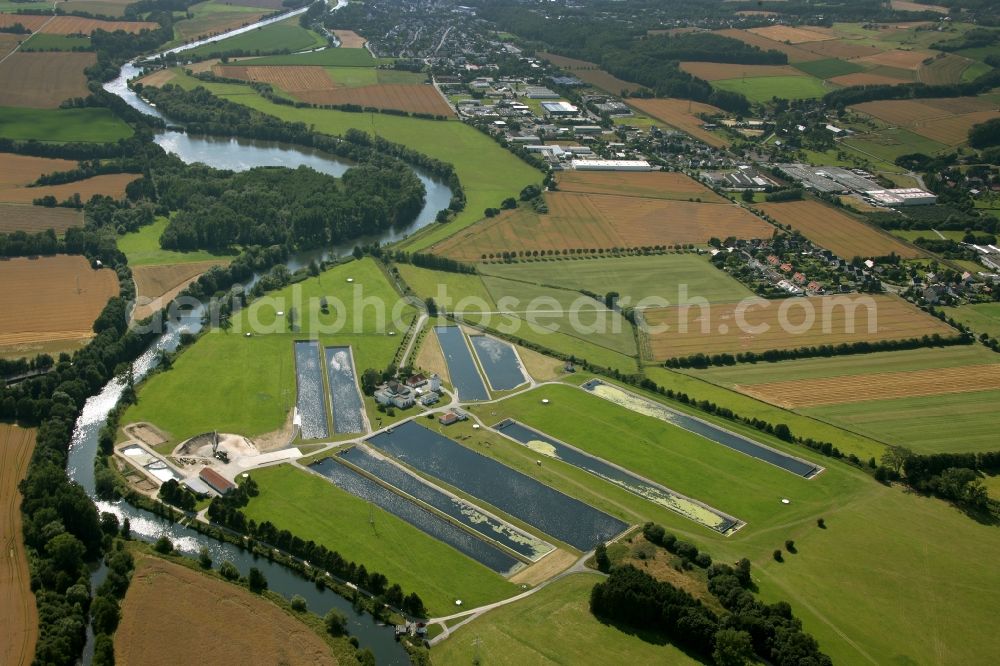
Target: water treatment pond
[(361, 486), (565, 518), (654, 492), (462, 369), (309, 388), (464, 512), (707, 430), (499, 361), (345, 398)]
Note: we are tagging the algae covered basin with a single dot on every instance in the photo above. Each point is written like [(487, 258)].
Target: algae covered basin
[(649, 490), (348, 410), (361, 486), (461, 366), (565, 518), (707, 430), (499, 361), (309, 388)]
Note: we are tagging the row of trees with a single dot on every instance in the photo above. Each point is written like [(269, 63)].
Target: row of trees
[(951, 476), (701, 360)]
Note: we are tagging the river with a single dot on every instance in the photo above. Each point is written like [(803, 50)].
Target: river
[(238, 155)]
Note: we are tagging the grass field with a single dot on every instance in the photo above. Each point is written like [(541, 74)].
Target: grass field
[(590, 222), (636, 278), (683, 115), (73, 25), (715, 71), (488, 173), (19, 630), (268, 39), (254, 625), (889, 143), (786, 324), (553, 626), (831, 583), (981, 317), (212, 18), (45, 42), (50, 300), (91, 125), (253, 379), (340, 57), (415, 98), (314, 509), (43, 80), (649, 184), (32, 219), (945, 121), (142, 248), (829, 68), (838, 232), (762, 89), (163, 283)]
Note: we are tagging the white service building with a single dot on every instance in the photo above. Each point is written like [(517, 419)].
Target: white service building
[(612, 165), (905, 196)]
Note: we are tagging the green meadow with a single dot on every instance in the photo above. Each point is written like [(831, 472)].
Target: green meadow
[(338, 57), (889, 143), (88, 125), (314, 509), (980, 317), (829, 68), (268, 39), (229, 382), (142, 248), (763, 88)]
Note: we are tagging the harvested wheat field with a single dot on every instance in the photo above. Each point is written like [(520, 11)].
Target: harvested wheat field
[(785, 33), (591, 73), (840, 48), (112, 185), (20, 170), (161, 284), (158, 78), (43, 80), (944, 70), (794, 53), (77, 25), (415, 98), (646, 184), (113, 8), (865, 79), (898, 58), (759, 325), (207, 621), (592, 222), (714, 71), (30, 21), (798, 393), (290, 78), (19, 629), (32, 219), (836, 231), (51, 300), (944, 120), (682, 114), (350, 39), (903, 6)]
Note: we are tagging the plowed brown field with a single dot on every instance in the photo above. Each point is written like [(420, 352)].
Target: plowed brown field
[(161, 284), (112, 185), (944, 70), (903, 6), (591, 221), (207, 621), (19, 629), (885, 386), (794, 53), (898, 58), (350, 39), (840, 233), (72, 25), (650, 185), (51, 299), (784, 33), (681, 114), (158, 78), (840, 48), (19, 170), (43, 80), (865, 79), (290, 78), (405, 97), (714, 71), (24, 217), (757, 325), (591, 73)]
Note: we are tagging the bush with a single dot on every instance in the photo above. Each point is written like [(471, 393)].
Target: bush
[(229, 571), (778, 556), (820, 523), (601, 558), (256, 581), (299, 604), (204, 559), (790, 546), (335, 622), (163, 546)]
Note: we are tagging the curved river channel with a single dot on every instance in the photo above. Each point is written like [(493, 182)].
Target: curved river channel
[(235, 154)]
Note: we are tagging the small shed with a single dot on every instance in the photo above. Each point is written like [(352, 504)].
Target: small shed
[(216, 481)]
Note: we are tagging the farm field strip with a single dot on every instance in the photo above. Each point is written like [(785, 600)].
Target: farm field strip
[(32, 219), (157, 285), (682, 115), (591, 73), (290, 78), (691, 509), (20, 170), (800, 393), (945, 120), (702, 428), (43, 79), (838, 232), (51, 298), (648, 184), (519, 495), (72, 25), (713, 71), (795, 53), (415, 98), (757, 327), (428, 522), (792, 35), (19, 629), (349, 39), (112, 185)]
